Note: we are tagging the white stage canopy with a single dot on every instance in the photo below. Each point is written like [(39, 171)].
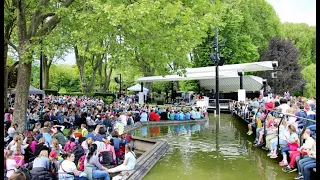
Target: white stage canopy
[(228, 75)]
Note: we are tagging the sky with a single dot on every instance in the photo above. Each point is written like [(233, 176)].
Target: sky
[(296, 11)]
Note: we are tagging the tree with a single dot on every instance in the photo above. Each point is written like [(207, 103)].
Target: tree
[(287, 55), (29, 19), (64, 76), (303, 37), (9, 25), (245, 30), (161, 32), (308, 74)]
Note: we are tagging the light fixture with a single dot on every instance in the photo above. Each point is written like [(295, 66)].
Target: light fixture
[(240, 72), (274, 63), (264, 81)]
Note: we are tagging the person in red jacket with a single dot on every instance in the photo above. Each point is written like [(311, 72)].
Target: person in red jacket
[(152, 115), (157, 117)]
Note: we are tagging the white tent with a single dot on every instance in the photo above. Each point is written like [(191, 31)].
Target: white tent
[(137, 87)]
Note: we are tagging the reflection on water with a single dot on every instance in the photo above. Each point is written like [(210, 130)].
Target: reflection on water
[(217, 149)]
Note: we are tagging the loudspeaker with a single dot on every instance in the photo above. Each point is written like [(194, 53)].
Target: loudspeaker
[(117, 80)]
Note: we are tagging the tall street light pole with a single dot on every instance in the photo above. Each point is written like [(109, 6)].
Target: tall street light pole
[(120, 86), (217, 73)]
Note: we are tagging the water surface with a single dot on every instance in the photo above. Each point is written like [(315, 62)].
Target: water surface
[(219, 150)]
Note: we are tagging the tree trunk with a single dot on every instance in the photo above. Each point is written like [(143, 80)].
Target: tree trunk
[(22, 93), (80, 64), (46, 71), (5, 73), (108, 79), (93, 80)]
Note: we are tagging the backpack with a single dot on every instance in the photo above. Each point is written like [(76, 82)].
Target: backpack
[(106, 157), (69, 146), (129, 121), (80, 165), (25, 171), (78, 152)]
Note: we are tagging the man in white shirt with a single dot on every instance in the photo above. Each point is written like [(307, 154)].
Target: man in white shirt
[(123, 119), (283, 105)]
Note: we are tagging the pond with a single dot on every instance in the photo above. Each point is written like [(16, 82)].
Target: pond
[(219, 150)]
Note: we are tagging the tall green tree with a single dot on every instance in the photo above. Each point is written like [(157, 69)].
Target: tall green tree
[(29, 18), (303, 37), (308, 73), (287, 55)]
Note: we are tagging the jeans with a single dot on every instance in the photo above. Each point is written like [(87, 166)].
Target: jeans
[(302, 162), (28, 124), (274, 143), (100, 174), (306, 169), (284, 150)]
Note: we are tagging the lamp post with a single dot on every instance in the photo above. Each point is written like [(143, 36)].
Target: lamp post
[(217, 73), (275, 76), (120, 86), (264, 82), (219, 62)]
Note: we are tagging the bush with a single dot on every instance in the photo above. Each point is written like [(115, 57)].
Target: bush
[(50, 91)]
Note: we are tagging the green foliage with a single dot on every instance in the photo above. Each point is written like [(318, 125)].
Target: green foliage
[(64, 76), (287, 55), (245, 30), (303, 37), (309, 75), (186, 86)]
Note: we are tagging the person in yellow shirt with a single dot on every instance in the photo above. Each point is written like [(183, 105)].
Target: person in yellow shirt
[(84, 131)]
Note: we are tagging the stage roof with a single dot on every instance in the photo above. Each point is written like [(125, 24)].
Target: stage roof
[(225, 71), (228, 75)]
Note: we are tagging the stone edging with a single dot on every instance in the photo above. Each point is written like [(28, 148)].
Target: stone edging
[(148, 159), (162, 122)]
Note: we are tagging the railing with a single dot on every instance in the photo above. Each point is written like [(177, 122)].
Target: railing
[(285, 115), (222, 103)]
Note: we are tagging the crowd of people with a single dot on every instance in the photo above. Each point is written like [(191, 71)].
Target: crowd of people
[(75, 137), (283, 125)]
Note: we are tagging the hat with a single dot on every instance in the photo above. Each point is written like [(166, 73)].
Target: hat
[(53, 154)]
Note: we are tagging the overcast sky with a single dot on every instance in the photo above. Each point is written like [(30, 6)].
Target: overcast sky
[(296, 11)]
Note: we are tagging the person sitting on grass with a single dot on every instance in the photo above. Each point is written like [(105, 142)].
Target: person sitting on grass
[(84, 131), (92, 165), (68, 169), (10, 164), (128, 163)]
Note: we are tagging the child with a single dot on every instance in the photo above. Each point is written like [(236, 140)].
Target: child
[(84, 131), (70, 145), (172, 115), (188, 115)]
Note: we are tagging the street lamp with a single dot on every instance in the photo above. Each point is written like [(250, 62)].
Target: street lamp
[(219, 62), (119, 82), (241, 73), (264, 82), (274, 76)]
